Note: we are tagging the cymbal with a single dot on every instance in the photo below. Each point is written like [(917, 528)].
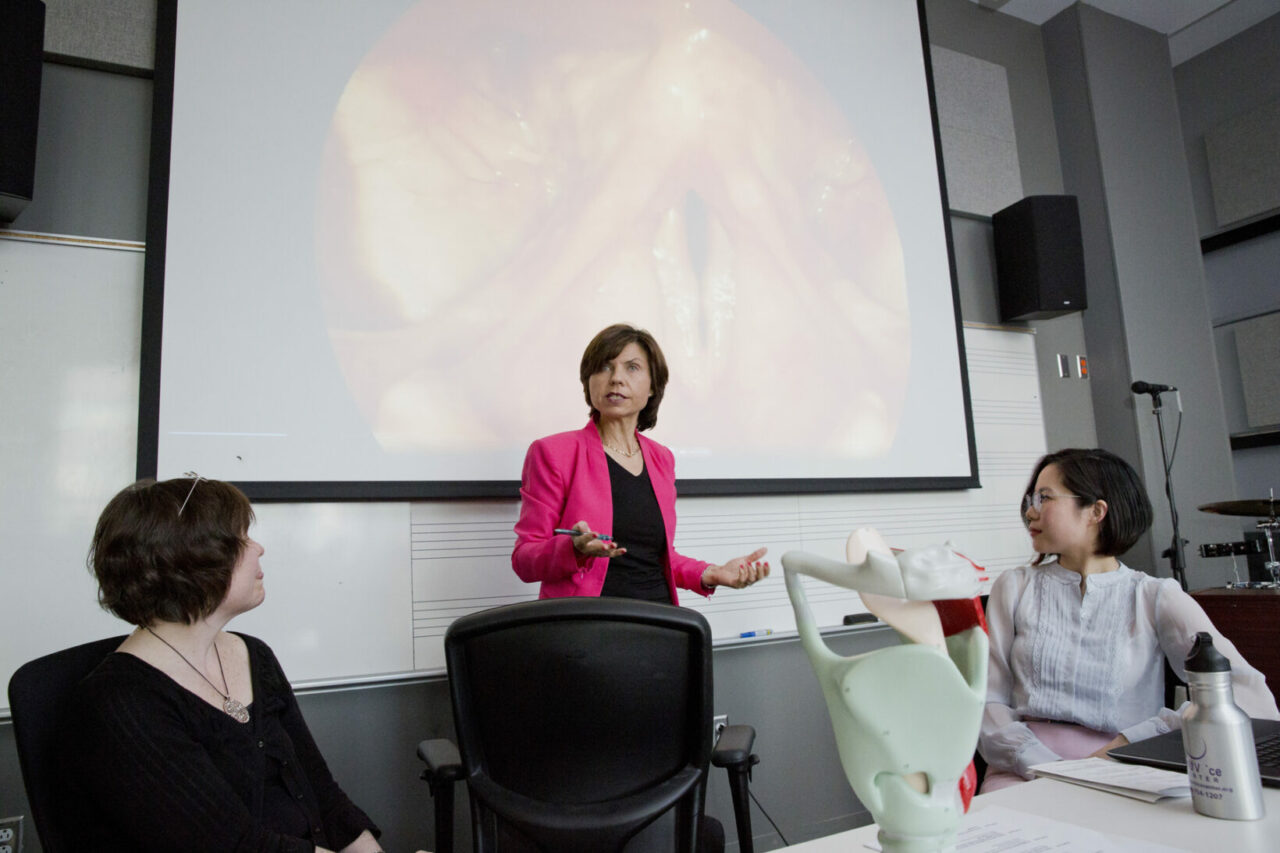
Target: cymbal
[(1263, 507)]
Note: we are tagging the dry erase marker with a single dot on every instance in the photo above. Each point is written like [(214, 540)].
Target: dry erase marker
[(564, 532), (763, 632)]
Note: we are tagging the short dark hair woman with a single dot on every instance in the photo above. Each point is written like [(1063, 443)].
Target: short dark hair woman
[(1078, 639), (189, 737), (615, 488)]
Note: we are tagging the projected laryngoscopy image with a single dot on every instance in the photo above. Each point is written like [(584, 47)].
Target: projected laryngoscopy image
[(502, 180)]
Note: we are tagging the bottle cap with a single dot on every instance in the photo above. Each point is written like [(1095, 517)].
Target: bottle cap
[(1204, 657)]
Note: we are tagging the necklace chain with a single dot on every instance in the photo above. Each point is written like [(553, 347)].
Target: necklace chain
[(627, 453), (232, 707)]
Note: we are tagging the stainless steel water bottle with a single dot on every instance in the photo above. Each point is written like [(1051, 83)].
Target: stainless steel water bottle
[(1222, 766)]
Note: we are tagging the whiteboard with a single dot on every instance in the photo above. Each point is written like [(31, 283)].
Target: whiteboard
[(70, 313), (362, 592)]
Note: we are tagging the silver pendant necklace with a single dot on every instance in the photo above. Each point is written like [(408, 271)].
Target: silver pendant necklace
[(233, 707)]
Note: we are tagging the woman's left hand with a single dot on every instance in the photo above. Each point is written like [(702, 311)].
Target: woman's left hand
[(1118, 740), (739, 573)]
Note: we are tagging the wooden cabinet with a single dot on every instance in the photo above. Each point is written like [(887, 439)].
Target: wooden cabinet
[(1250, 618)]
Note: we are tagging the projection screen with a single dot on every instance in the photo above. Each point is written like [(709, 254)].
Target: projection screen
[(382, 233)]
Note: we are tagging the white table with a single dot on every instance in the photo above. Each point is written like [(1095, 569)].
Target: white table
[(1171, 822)]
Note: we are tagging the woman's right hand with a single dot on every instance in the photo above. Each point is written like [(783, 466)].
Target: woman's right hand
[(589, 544)]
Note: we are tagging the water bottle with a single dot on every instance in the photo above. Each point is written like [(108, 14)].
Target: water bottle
[(1222, 766)]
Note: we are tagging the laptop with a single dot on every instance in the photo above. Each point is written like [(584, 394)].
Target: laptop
[(1166, 751)]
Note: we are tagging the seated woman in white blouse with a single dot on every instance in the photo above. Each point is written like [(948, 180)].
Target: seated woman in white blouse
[(1077, 641)]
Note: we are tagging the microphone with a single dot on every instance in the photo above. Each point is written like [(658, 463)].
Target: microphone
[(1141, 387)]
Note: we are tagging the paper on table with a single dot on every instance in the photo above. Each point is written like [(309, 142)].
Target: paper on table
[(1130, 780), (996, 828)]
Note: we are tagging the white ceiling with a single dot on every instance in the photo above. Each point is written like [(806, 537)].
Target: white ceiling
[(1193, 26)]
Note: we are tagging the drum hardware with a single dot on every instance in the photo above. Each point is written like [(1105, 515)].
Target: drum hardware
[(1266, 507), (1269, 524), (1231, 549)]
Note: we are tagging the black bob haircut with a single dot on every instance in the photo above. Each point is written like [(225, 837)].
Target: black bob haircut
[(1099, 475)]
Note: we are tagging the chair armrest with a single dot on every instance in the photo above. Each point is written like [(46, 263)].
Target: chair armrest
[(733, 749), (444, 764)]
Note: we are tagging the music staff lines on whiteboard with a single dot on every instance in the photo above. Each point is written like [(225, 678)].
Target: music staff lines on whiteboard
[(762, 603), (438, 542), (461, 553), (993, 404), (737, 521), (918, 515), (942, 513), (735, 603), (1006, 413), (700, 527), (427, 547), (1006, 464), (428, 532), (693, 533), (988, 406), (443, 542), (753, 518), (431, 621), (996, 361), (464, 604)]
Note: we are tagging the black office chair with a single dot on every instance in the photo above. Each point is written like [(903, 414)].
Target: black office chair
[(581, 722), (38, 694)]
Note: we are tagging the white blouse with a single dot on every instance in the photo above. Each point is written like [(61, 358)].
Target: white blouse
[(1093, 659)]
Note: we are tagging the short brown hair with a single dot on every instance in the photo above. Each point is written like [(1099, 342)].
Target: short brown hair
[(1096, 475), (605, 347), (156, 564)]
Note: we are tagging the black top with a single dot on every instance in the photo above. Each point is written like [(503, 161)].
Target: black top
[(638, 527), (153, 767)]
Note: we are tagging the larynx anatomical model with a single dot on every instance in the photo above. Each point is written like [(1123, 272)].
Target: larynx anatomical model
[(905, 718)]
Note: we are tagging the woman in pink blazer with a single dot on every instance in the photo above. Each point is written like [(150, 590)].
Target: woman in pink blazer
[(615, 488)]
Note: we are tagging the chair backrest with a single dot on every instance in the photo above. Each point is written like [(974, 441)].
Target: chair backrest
[(582, 720), (38, 693)]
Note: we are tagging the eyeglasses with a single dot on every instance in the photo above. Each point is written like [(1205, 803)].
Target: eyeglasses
[(1036, 500), (194, 483)]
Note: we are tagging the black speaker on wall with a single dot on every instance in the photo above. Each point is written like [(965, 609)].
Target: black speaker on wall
[(1039, 258), (21, 52)]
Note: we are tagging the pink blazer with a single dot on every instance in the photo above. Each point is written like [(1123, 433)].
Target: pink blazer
[(566, 479)]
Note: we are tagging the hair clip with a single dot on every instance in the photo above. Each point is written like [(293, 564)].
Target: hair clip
[(195, 483)]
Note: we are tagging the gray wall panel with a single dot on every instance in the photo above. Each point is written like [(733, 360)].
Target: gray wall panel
[(112, 33), (975, 121), (1222, 83), (966, 27), (1244, 170)]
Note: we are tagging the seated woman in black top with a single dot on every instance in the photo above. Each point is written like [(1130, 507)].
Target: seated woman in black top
[(188, 737)]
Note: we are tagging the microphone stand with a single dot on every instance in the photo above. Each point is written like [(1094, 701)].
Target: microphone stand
[(1177, 556)]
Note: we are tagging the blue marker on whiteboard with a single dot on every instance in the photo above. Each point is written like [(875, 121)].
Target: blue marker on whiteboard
[(763, 632), (564, 532)]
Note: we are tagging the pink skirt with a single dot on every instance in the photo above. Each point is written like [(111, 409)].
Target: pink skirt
[(1066, 739)]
